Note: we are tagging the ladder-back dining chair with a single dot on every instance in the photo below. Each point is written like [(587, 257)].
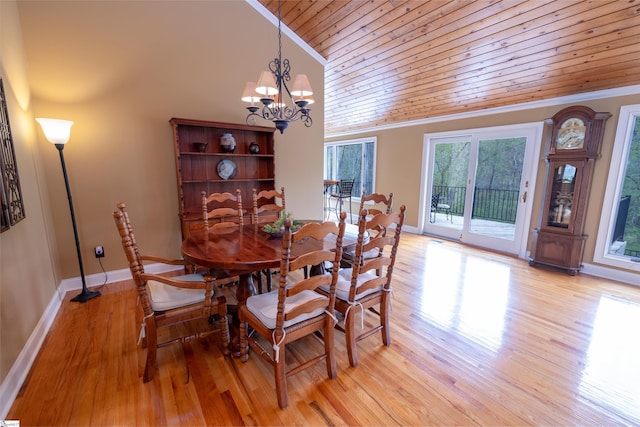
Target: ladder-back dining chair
[(221, 210), (366, 286), (267, 207), (166, 301), (376, 203), (295, 310)]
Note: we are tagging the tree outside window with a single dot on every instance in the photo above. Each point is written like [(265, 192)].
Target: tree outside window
[(354, 159)]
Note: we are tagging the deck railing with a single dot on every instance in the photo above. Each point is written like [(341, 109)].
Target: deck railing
[(489, 204)]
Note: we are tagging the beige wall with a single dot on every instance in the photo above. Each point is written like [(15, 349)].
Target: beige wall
[(120, 71), (27, 274), (399, 163), (129, 69)]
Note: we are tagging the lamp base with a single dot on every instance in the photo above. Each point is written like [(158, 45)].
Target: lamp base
[(85, 295)]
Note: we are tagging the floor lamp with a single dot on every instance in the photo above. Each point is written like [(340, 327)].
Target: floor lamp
[(58, 132)]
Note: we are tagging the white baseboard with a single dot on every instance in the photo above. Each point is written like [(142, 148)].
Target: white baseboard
[(100, 279), (18, 373), (628, 277)]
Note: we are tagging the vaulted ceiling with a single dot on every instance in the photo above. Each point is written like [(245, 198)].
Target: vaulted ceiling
[(392, 61)]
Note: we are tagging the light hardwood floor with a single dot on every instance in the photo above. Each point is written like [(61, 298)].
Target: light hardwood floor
[(478, 339)]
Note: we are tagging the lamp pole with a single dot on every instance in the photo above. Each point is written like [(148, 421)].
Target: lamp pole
[(57, 132)]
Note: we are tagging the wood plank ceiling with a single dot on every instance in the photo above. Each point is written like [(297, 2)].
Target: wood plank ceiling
[(392, 61)]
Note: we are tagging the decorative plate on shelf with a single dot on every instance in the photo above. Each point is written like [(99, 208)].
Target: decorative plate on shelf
[(227, 169)]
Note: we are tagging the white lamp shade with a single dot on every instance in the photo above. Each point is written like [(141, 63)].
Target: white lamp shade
[(301, 86), (55, 130), (249, 93), (277, 104), (266, 84)]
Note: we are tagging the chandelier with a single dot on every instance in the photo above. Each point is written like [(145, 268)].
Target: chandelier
[(279, 104)]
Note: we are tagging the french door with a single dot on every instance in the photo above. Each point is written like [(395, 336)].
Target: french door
[(477, 185)]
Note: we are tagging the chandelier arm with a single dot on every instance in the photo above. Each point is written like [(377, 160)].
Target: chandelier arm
[(268, 113)]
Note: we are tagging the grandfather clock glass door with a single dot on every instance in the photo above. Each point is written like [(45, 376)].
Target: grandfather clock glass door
[(562, 190)]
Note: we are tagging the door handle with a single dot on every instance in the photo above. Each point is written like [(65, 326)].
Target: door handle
[(524, 197)]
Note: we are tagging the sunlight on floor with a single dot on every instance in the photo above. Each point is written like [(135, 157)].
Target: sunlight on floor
[(611, 377), (468, 295)]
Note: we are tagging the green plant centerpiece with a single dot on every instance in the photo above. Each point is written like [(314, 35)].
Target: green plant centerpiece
[(277, 228)]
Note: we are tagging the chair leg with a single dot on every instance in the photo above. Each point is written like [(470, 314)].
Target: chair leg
[(244, 342), (338, 209), (350, 337), (224, 326), (185, 354), (385, 308), (258, 275), (152, 349), (281, 378), (267, 273), (329, 347)]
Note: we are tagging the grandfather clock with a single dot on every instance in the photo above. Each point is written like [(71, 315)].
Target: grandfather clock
[(573, 140)]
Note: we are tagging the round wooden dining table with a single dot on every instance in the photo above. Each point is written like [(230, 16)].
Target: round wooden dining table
[(244, 249)]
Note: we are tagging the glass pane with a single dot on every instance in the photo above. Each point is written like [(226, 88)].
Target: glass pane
[(564, 180), (349, 165), (626, 236), (450, 169), (497, 187), (329, 162), (367, 173)]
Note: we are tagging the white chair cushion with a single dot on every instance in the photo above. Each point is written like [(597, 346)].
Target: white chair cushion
[(165, 297), (265, 307), (344, 284)]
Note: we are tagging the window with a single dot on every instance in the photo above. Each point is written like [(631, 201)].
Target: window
[(354, 159), (618, 241)]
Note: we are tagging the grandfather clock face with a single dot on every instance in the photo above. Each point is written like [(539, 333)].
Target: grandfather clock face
[(571, 134)]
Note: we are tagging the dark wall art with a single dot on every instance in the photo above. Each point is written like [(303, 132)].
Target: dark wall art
[(10, 192)]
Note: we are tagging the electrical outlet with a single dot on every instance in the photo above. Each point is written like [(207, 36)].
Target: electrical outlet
[(99, 250)]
